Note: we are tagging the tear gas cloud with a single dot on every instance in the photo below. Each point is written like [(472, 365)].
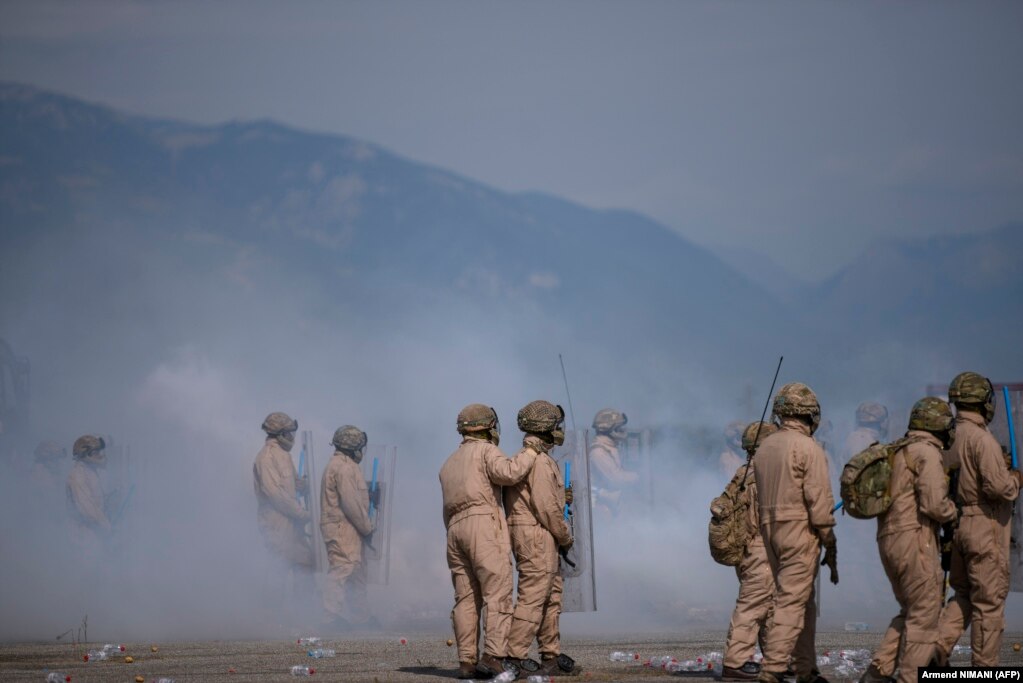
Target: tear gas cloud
[(180, 366)]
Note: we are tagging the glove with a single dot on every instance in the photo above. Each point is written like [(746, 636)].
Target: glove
[(1019, 477), (568, 546), (831, 560), (568, 496), (374, 497), (301, 484)]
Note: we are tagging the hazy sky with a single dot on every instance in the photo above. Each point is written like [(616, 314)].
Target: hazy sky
[(804, 130)]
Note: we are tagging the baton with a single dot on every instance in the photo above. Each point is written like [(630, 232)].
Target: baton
[(373, 488), (1012, 429), (301, 470), (568, 483)]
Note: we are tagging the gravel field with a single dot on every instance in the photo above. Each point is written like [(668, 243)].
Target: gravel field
[(425, 657)]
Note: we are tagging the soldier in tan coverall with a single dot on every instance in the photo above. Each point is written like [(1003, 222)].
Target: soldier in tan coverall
[(795, 521), (281, 517), (609, 477), (980, 548), (479, 548), (89, 522), (755, 603), (871, 427), (907, 536), (536, 519), (345, 524), (732, 457)]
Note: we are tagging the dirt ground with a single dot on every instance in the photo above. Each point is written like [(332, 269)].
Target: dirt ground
[(425, 657)]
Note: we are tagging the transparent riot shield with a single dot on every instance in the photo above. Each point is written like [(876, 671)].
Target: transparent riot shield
[(1000, 428), (311, 501), (379, 466), (580, 583), (635, 455)]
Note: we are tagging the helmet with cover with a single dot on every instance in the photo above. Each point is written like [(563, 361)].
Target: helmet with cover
[(798, 400), (872, 414), (87, 446), (281, 427), (932, 414), (749, 435), (610, 422), (544, 419), (973, 391), (350, 439), (479, 420)]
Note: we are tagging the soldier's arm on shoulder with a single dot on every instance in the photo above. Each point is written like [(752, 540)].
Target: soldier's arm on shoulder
[(996, 480), (817, 488), (931, 486), (355, 500), (547, 504), (506, 471)]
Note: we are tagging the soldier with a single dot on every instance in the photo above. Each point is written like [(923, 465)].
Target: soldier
[(536, 519), (90, 524), (608, 474), (871, 427), (732, 456), (796, 519), (907, 539), (980, 548), (281, 517), (479, 548), (346, 525), (756, 584)]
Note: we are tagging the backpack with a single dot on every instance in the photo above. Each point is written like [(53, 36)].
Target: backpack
[(866, 481), (729, 531)]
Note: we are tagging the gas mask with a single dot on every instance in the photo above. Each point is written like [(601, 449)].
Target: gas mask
[(495, 432), (948, 436), (356, 456), (286, 440), (558, 436)]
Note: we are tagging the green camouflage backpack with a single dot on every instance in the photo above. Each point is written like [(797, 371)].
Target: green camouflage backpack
[(729, 531), (866, 483)]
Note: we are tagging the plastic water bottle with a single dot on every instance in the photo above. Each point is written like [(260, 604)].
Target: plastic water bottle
[(823, 660), (503, 677), (110, 648), (95, 656), (661, 662), (685, 665), (311, 640), (302, 671), (962, 650), (714, 656), (618, 656), (540, 679), (320, 653), (164, 680), (55, 677)]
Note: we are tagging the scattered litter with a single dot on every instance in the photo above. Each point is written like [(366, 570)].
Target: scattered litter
[(302, 671), (660, 662), (856, 626), (962, 650), (129, 659), (55, 677), (140, 679), (450, 642), (310, 640), (108, 648), (320, 653), (503, 677), (164, 680), (232, 670), (823, 660), (94, 656), (618, 656), (154, 648), (539, 679), (1016, 647), (403, 641)]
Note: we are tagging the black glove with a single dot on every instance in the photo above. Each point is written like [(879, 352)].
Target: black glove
[(374, 497)]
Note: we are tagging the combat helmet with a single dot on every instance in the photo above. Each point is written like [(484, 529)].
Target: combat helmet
[(610, 422), (795, 399), (932, 414), (87, 445), (279, 423), (476, 418), (872, 413), (750, 433), (540, 417), (973, 391), (349, 439)]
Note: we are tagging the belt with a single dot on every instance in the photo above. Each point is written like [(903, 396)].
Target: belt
[(472, 511)]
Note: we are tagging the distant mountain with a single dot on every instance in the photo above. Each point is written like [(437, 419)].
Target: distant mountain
[(763, 271)]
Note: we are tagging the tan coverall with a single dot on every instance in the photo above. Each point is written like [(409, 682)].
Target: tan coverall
[(755, 603), (980, 549), (608, 474), (89, 522), (795, 506), (278, 512), (344, 522), (536, 519), (907, 537), (479, 549)]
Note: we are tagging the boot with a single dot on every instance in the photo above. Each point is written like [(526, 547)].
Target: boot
[(490, 666), (466, 670), (814, 677), (562, 665), (771, 676), (747, 672), (526, 666)]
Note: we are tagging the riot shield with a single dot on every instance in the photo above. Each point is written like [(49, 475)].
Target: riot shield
[(379, 466), (635, 454), (580, 583), (311, 501), (1000, 428)]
